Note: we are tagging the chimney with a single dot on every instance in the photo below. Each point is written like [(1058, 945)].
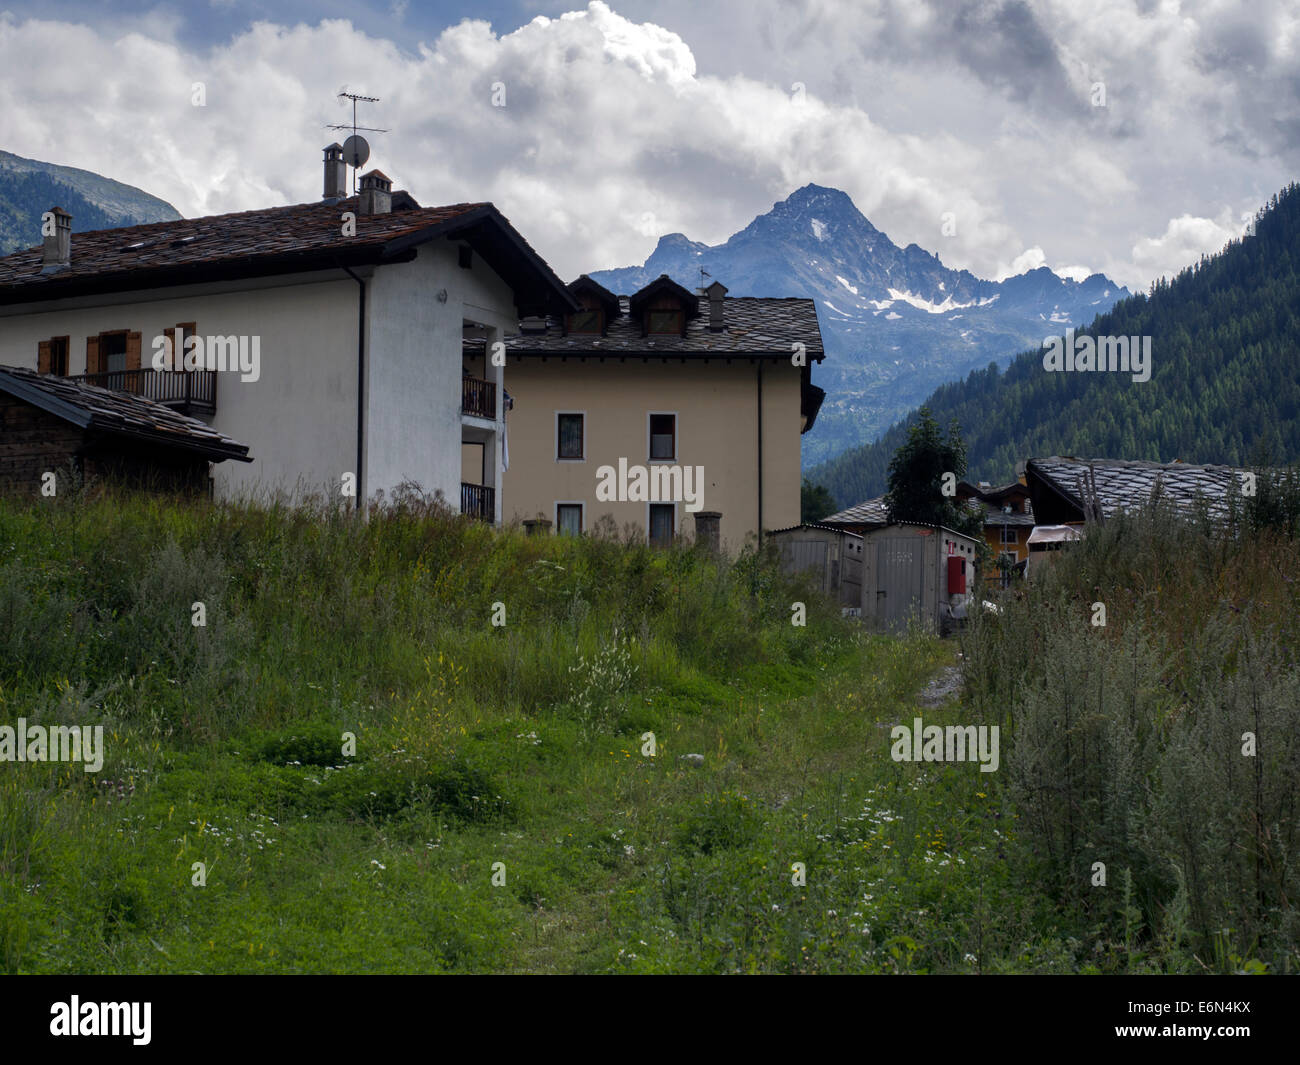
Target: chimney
[(58, 245), (715, 293), (336, 173), (376, 193)]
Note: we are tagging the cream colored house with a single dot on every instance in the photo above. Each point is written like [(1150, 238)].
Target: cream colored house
[(327, 337), (673, 412)]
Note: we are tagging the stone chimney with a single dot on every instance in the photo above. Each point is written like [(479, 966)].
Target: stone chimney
[(376, 193), (336, 173), (715, 292), (57, 253)]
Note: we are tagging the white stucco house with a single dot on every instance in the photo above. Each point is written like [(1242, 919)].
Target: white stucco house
[(330, 335)]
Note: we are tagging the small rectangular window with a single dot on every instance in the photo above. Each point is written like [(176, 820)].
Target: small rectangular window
[(568, 519), (663, 321), (663, 437), (112, 353), (663, 521), (1010, 534), (569, 442), (584, 322)]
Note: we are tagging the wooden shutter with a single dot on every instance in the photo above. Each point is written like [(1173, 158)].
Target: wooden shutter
[(170, 334), (92, 354), (43, 357)]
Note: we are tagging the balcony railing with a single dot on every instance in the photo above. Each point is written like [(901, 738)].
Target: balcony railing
[(187, 391), (478, 501), (478, 397)]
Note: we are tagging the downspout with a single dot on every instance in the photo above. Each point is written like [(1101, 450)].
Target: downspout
[(760, 453), (361, 380)]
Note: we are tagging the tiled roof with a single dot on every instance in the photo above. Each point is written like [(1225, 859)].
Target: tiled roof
[(266, 241), (872, 512), (1122, 485), (753, 324), (124, 414)]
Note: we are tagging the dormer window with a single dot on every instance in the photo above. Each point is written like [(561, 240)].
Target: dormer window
[(661, 321), (586, 321), (663, 307)]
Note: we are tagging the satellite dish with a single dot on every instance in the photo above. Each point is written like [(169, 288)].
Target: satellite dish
[(356, 151)]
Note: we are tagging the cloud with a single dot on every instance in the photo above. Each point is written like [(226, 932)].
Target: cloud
[(671, 116), (1185, 240)]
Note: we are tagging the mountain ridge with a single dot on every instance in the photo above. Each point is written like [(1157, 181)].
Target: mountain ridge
[(30, 187), (896, 321), (1224, 386)]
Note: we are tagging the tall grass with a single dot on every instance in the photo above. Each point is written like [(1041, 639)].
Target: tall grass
[(1164, 744)]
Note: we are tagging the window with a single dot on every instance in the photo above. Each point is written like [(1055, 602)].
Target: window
[(568, 519), (112, 352), (585, 322), (569, 437), (663, 437), (663, 321), (1010, 534), (663, 520)]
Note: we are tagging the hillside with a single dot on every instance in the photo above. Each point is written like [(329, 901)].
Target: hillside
[(1225, 380), (29, 187), (896, 322)]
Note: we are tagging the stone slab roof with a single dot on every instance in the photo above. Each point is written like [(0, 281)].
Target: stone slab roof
[(1128, 485), (754, 325), (273, 240), (872, 512)]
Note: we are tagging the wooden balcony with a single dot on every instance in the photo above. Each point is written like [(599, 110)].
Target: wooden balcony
[(192, 392), (478, 501), (478, 397)]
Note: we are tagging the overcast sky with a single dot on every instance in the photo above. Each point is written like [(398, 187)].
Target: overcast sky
[(627, 119)]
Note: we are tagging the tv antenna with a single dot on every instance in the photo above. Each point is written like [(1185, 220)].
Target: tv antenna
[(356, 150)]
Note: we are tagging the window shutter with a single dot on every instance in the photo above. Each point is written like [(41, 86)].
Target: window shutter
[(92, 354), (43, 357), (175, 364)]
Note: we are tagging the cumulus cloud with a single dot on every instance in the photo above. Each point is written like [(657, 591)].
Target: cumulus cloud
[(621, 125), (1185, 240)]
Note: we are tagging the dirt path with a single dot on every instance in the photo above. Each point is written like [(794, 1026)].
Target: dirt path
[(943, 686)]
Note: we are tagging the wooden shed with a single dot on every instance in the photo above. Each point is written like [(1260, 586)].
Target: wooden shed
[(922, 572), (834, 555), (49, 424)]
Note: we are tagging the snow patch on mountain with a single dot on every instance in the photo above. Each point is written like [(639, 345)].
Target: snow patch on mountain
[(922, 304)]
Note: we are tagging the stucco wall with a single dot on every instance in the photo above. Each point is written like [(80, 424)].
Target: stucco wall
[(298, 418), (717, 419), (414, 379)]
